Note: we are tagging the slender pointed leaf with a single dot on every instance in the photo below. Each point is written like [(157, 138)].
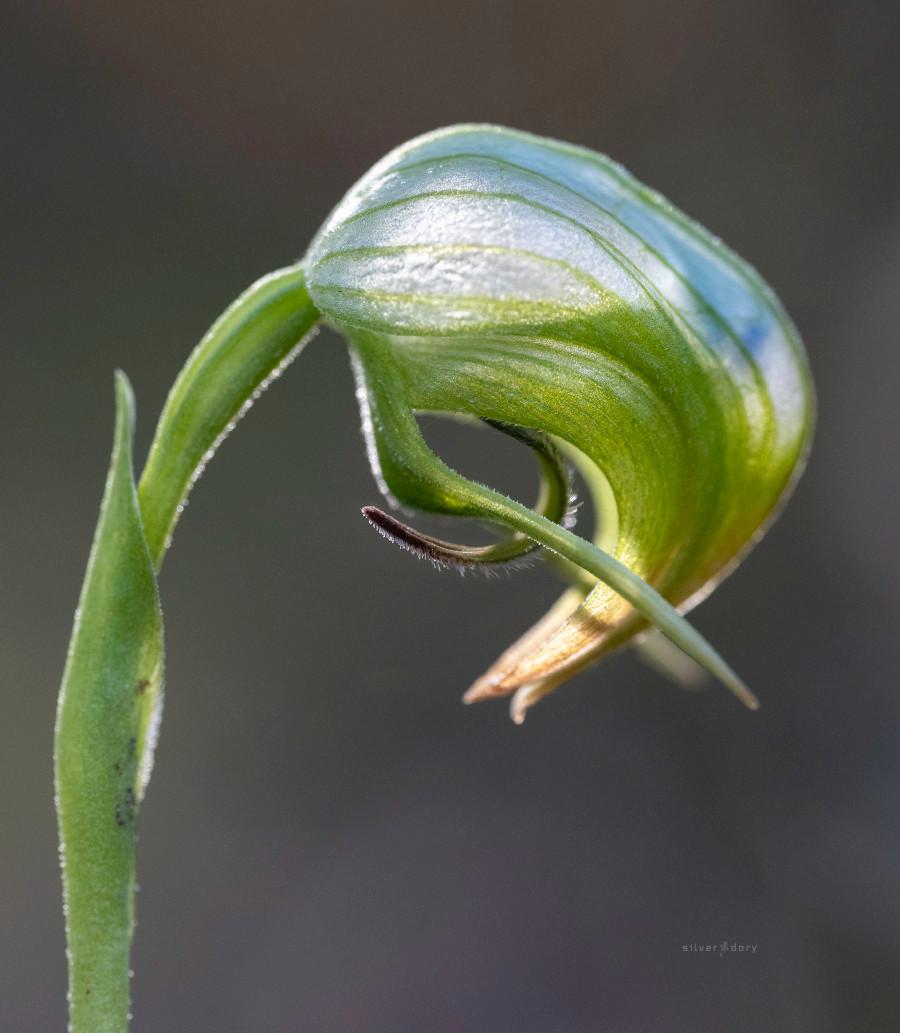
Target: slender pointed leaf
[(108, 711)]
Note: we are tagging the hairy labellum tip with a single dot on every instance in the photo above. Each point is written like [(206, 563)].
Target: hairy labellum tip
[(447, 554)]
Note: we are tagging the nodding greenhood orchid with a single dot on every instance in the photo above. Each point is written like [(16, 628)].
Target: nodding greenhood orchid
[(479, 272), (488, 272)]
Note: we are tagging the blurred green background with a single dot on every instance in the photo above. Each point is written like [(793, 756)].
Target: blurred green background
[(331, 842)]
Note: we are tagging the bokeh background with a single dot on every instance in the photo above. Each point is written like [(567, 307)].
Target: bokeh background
[(331, 842)]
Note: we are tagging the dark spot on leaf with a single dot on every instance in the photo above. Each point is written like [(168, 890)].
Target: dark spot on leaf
[(141, 686)]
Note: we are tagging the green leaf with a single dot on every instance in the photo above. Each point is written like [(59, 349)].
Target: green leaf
[(109, 704), (109, 708)]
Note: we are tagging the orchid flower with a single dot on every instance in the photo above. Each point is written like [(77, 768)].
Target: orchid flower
[(482, 273)]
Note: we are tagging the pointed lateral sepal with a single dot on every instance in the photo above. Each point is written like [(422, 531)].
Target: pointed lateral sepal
[(106, 722)]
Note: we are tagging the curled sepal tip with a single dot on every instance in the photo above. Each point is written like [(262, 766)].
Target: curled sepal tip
[(443, 553), (555, 502)]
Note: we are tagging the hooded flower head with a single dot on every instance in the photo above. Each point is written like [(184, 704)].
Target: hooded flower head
[(495, 274)]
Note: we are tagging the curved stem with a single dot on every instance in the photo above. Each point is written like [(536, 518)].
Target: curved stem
[(109, 704), (247, 347)]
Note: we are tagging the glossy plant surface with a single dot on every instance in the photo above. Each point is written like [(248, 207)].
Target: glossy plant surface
[(502, 275), (477, 272)]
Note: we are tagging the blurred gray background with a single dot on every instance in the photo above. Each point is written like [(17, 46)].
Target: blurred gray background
[(331, 842)]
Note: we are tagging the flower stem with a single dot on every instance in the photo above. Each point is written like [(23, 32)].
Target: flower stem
[(111, 694)]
